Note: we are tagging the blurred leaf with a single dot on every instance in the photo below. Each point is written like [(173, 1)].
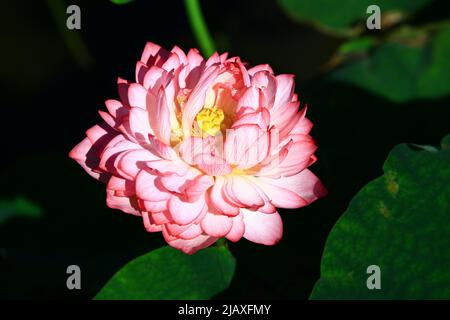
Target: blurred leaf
[(358, 45), (18, 207), (119, 2), (339, 16), (411, 64), (400, 222), (167, 273)]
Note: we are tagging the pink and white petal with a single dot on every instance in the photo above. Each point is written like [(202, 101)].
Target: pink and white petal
[(137, 96), (121, 187), (193, 146), (196, 100), (260, 67), (186, 232), (134, 161), (110, 157), (167, 166), (218, 200), (172, 181), (110, 143), (271, 166), (228, 192), (212, 165), (287, 128), (250, 99), (281, 117), (281, 195), (153, 206), (160, 118), (175, 229), (223, 57), (80, 151), (181, 55), (268, 83), (261, 117), (307, 185), (292, 158), (238, 228), (294, 191), (98, 131), (139, 125), (122, 88), (184, 212), (213, 59), (192, 232), (246, 192), (193, 189), (169, 90), (189, 246), (172, 62), (154, 78), (147, 189), (123, 126), (84, 154), (262, 228), (151, 50), (116, 109), (100, 135), (246, 146), (141, 70), (196, 66), (243, 71), (303, 125), (160, 218), (175, 182), (251, 196), (109, 119), (224, 97), (163, 151), (202, 215), (194, 58), (126, 204), (285, 90), (153, 54), (267, 208), (149, 226), (216, 225)]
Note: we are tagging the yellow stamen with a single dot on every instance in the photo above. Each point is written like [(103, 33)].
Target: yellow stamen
[(209, 120), (181, 100), (238, 171)]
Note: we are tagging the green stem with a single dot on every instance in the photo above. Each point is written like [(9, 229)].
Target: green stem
[(199, 27), (222, 242)]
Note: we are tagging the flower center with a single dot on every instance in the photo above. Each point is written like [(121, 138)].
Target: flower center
[(209, 120)]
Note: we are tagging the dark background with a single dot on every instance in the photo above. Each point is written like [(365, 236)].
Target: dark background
[(48, 100)]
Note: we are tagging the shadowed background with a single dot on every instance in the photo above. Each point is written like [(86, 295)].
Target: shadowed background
[(50, 97)]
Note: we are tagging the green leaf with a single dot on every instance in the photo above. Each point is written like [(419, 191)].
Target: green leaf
[(412, 64), (359, 45), (339, 17), (399, 222), (167, 273), (18, 207), (119, 2)]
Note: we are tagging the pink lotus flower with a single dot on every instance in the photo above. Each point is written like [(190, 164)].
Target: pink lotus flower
[(203, 149)]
